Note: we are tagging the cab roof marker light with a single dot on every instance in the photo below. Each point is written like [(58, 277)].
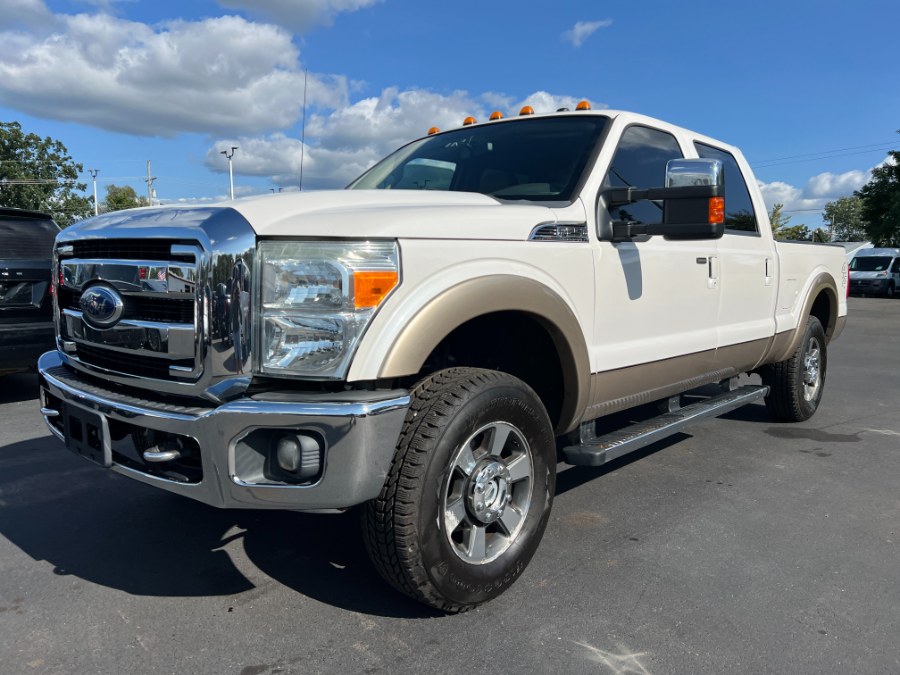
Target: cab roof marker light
[(526, 110), (583, 105), (496, 115), (432, 131), (469, 120)]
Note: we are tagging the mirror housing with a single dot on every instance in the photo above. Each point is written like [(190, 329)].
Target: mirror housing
[(693, 202)]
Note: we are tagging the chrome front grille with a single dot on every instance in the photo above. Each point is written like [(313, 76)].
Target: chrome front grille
[(180, 280), (158, 333)]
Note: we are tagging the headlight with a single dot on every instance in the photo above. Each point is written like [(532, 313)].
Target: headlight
[(317, 299)]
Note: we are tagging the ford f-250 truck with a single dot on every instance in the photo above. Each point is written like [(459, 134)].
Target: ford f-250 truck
[(431, 341)]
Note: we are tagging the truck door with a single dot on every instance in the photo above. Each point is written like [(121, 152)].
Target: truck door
[(657, 300), (747, 262)]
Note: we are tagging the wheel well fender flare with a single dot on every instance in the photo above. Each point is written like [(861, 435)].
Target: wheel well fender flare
[(473, 298)]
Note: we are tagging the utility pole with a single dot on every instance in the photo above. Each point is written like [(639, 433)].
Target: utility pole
[(150, 180), (230, 172), (94, 173)]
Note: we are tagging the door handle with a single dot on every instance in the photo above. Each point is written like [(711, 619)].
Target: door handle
[(712, 280)]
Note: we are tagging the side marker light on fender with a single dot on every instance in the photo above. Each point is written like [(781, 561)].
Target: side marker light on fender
[(370, 288)]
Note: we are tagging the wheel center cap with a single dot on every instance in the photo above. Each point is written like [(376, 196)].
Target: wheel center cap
[(487, 492)]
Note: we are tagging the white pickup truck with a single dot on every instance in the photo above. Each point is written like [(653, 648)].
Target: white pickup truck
[(430, 342)]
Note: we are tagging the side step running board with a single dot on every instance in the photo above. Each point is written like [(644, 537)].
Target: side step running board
[(603, 449)]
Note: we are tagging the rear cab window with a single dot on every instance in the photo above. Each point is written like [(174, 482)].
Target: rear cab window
[(740, 216)]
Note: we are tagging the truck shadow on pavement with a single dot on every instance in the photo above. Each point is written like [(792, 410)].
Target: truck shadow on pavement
[(109, 530)]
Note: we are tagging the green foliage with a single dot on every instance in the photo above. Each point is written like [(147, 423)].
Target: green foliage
[(820, 235), (121, 197), (845, 216), (778, 220), (881, 203), (793, 233), (38, 174)]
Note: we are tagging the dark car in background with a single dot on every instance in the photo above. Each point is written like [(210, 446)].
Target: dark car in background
[(26, 319)]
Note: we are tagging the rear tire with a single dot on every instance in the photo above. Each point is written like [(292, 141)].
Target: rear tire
[(796, 385), (468, 496)]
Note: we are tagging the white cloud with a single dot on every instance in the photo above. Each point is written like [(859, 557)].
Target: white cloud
[(582, 30), (344, 143), (23, 13), (218, 75), (831, 186), (300, 16), (818, 191)]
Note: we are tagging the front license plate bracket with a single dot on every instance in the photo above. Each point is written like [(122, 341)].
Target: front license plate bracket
[(87, 434)]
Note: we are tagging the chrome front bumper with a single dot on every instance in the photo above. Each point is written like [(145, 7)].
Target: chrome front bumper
[(359, 433)]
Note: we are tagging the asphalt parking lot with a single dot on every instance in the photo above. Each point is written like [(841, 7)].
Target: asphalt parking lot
[(742, 546)]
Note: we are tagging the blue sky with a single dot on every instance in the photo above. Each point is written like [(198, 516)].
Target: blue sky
[(808, 90)]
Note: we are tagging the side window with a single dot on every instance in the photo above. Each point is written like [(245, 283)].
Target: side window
[(896, 267), (739, 213), (640, 161)]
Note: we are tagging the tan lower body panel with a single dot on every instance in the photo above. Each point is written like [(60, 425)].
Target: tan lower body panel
[(625, 388)]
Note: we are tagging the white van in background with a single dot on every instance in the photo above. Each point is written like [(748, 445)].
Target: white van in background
[(876, 271)]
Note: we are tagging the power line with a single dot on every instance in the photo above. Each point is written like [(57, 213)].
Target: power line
[(852, 147)]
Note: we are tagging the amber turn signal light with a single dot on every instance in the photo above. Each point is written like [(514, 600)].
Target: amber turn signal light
[(469, 120), (583, 105), (526, 110), (370, 288), (432, 131), (716, 210), (496, 115)]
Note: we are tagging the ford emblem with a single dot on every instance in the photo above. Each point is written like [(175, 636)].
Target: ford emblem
[(102, 306)]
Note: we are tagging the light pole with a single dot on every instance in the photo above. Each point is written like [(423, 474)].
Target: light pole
[(230, 171), (94, 173)]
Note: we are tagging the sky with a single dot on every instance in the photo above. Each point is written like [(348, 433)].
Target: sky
[(810, 91)]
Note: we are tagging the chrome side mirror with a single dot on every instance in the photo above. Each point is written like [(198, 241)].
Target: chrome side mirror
[(684, 172)]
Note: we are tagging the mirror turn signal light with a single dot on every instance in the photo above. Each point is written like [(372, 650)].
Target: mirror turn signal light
[(716, 210), (526, 110), (469, 120), (432, 131), (583, 105), (370, 288)]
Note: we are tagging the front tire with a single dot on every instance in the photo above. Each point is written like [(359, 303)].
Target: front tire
[(469, 493), (796, 385)]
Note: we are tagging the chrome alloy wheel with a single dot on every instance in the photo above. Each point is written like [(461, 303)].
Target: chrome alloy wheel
[(812, 378), (487, 493)]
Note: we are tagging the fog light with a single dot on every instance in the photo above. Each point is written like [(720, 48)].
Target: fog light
[(298, 455)]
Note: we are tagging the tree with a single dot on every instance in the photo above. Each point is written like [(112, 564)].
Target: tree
[(881, 202), (38, 174), (820, 235), (777, 219), (793, 233), (845, 216), (121, 197)]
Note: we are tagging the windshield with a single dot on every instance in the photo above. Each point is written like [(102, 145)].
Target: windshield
[(870, 263), (538, 159)]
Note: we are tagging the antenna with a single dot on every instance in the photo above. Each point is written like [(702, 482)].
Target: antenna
[(303, 129)]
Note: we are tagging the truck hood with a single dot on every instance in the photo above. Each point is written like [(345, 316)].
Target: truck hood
[(418, 214)]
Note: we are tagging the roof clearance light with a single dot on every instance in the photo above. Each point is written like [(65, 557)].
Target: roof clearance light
[(469, 120), (526, 110), (583, 105), (716, 210), (432, 131), (496, 115)]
